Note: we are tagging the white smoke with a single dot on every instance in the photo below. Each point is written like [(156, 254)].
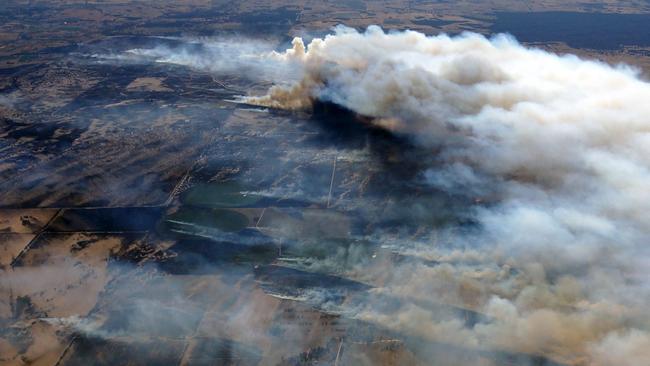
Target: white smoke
[(560, 145)]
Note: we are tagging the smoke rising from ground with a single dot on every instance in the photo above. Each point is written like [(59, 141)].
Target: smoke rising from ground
[(560, 146)]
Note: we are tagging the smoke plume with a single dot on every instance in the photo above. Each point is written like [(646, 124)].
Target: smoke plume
[(559, 147)]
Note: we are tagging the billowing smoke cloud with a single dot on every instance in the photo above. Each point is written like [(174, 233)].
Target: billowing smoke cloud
[(559, 146), (554, 149)]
